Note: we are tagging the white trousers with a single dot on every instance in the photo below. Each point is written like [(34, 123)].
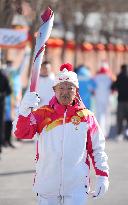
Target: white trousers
[(102, 116), (66, 200)]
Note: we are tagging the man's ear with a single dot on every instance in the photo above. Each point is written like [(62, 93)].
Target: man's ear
[(77, 91)]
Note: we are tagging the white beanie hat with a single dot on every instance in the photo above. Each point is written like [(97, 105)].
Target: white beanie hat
[(66, 75)]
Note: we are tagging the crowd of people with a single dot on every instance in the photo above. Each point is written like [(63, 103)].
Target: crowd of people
[(96, 92), (11, 94)]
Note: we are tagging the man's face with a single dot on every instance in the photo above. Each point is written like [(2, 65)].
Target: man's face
[(45, 69), (65, 92)]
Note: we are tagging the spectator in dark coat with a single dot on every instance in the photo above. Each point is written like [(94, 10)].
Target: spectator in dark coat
[(121, 86), (5, 90)]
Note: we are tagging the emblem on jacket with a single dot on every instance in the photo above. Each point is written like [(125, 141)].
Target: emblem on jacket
[(76, 120)]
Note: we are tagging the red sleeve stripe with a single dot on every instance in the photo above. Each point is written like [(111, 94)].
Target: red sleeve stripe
[(90, 151)]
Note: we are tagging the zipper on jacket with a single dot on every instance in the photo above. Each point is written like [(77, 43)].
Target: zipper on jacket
[(61, 159)]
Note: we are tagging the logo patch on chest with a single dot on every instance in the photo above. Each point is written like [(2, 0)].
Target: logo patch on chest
[(76, 121)]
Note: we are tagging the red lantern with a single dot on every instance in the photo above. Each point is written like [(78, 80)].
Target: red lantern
[(100, 47), (119, 48), (54, 43), (87, 47)]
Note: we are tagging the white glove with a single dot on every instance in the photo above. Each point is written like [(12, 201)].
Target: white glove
[(29, 101), (101, 187)]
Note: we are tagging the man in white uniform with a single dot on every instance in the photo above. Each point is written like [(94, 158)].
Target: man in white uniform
[(46, 81), (103, 82), (69, 136)]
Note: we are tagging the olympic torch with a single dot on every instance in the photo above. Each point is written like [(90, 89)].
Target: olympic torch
[(43, 34)]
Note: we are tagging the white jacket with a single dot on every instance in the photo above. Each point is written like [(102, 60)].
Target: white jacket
[(45, 89), (67, 138), (102, 92)]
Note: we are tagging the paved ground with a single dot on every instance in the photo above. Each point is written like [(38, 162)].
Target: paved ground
[(16, 175)]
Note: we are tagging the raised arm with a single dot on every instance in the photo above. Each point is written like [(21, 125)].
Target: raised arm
[(25, 123)]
